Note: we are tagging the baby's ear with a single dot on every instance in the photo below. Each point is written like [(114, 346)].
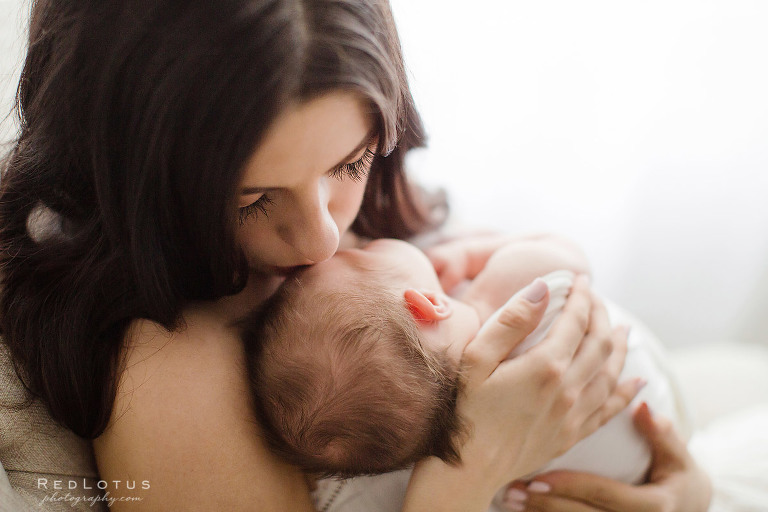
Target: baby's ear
[(427, 307)]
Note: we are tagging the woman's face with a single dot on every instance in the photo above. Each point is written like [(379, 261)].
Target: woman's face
[(304, 184)]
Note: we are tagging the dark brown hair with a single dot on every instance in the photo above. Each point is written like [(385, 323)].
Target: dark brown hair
[(118, 199), (344, 387)]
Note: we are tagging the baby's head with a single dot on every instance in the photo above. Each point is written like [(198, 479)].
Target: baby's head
[(354, 363)]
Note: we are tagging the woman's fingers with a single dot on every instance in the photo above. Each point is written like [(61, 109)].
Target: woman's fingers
[(622, 395), (670, 454), (568, 330), (600, 343), (557, 504), (675, 482), (600, 395), (592, 376), (591, 492), (505, 330), (664, 440), (673, 470)]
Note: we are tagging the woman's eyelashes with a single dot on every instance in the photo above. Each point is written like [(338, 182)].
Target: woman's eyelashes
[(356, 171), (260, 205)]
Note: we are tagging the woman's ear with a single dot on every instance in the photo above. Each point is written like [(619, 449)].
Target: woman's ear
[(427, 307)]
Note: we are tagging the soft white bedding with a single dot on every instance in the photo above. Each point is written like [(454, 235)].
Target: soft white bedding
[(726, 385), (734, 450)]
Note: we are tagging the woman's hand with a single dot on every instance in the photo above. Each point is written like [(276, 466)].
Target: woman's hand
[(527, 410), (675, 483), (554, 395)]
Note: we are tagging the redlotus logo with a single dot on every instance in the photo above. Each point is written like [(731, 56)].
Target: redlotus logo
[(76, 491), (61, 485)]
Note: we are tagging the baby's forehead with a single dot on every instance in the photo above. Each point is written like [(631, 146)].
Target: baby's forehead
[(339, 274)]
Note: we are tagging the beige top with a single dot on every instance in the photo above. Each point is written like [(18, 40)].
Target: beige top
[(48, 466)]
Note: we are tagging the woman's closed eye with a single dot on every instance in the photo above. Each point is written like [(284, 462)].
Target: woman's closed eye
[(259, 205), (356, 171)]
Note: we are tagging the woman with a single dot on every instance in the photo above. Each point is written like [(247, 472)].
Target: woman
[(174, 162)]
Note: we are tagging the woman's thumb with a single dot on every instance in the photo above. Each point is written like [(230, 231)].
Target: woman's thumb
[(666, 445)]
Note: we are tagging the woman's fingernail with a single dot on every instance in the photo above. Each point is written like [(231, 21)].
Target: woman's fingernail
[(535, 291), (640, 384), (539, 487), (516, 495), (514, 506), (650, 412)]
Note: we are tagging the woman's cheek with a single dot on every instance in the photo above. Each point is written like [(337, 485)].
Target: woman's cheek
[(347, 200), (256, 243)]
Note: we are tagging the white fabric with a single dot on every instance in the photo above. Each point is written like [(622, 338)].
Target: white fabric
[(734, 451), (727, 384), (380, 493)]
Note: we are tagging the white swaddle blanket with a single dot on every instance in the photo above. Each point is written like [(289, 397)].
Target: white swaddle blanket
[(615, 450)]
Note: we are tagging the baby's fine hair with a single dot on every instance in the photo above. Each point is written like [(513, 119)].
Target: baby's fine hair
[(343, 386)]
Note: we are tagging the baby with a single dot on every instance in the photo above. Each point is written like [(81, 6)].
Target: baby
[(355, 362)]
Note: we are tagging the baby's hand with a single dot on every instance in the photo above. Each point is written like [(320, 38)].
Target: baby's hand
[(451, 262), (464, 256)]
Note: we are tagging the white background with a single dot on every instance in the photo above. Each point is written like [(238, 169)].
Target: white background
[(640, 129)]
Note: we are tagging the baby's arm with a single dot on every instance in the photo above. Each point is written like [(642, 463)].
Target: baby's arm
[(515, 264), (464, 258)]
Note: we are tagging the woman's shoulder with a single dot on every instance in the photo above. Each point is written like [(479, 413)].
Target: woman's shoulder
[(207, 339), (194, 368), (182, 421), (202, 331), (203, 350)]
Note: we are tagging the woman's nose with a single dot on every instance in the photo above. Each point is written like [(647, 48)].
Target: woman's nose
[(312, 231)]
